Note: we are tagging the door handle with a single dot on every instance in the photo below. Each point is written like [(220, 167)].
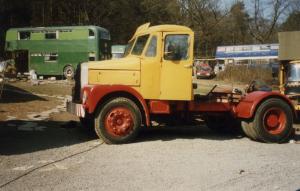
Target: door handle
[(188, 66)]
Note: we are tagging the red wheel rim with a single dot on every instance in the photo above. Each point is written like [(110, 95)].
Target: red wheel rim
[(274, 120), (119, 122)]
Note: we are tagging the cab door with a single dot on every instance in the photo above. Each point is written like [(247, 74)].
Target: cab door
[(176, 66)]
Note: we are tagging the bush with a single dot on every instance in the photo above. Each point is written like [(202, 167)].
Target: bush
[(245, 74)]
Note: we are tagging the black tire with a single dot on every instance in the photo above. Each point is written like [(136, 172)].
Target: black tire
[(129, 112), (69, 72), (259, 129), (248, 130)]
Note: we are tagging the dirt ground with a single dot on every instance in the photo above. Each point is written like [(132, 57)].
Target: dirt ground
[(44, 148), (21, 100)]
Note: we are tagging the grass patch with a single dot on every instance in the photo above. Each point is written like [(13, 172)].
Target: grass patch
[(245, 74)]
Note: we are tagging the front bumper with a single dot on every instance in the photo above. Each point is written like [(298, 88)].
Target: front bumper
[(75, 109)]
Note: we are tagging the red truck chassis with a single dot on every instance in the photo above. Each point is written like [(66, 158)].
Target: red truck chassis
[(275, 118)]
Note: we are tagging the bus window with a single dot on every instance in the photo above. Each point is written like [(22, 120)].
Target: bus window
[(51, 35), (52, 57), (24, 35), (65, 30), (91, 34)]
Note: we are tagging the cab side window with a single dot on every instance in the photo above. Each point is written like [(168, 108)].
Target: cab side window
[(176, 47), (151, 51)]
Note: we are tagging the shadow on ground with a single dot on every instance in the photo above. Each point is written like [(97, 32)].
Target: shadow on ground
[(18, 138), (196, 132), (12, 94)]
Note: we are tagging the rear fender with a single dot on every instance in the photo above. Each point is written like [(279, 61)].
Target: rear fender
[(249, 104)]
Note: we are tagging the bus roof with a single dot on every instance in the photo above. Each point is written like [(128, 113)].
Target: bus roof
[(58, 28)]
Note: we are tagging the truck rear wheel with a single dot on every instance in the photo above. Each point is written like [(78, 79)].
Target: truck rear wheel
[(118, 121), (272, 122), (247, 127)]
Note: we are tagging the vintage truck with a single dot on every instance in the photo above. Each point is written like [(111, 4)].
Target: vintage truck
[(153, 82)]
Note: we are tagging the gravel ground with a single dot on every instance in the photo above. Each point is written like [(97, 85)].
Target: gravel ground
[(56, 154)]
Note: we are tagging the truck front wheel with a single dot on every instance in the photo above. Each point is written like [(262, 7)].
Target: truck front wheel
[(118, 121), (272, 122)]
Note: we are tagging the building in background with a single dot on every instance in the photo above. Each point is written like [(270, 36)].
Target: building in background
[(259, 55), (248, 54)]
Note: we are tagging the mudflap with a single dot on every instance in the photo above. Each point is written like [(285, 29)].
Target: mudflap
[(75, 109)]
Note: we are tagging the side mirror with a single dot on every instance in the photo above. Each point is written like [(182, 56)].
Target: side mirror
[(169, 55)]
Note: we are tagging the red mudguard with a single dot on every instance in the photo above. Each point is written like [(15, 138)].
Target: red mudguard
[(98, 92), (248, 105)]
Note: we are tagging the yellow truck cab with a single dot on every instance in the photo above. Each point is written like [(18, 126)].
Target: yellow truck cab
[(150, 66), (153, 82)]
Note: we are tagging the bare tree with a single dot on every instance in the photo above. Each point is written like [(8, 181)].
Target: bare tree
[(205, 17), (263, 25), (204, 13)]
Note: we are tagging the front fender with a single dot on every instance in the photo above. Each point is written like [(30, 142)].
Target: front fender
[(97, 93), (248, 105)]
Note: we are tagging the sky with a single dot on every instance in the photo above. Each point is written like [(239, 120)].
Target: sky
[(249, 4)]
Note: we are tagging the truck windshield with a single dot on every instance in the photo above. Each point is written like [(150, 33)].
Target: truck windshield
[(128, 47), (140, 45), (294, 73)]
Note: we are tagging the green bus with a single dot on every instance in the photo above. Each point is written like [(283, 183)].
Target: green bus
[(56, 50)]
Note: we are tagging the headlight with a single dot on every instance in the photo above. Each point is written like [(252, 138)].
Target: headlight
[(84, 76)]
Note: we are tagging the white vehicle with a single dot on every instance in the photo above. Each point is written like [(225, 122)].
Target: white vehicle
[(219, 67), (117, 51)]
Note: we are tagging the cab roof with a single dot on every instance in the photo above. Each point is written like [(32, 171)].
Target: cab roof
[(146, 29)]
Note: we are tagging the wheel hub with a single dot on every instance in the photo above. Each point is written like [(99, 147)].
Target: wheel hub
[(274, 121), (119, 122)]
